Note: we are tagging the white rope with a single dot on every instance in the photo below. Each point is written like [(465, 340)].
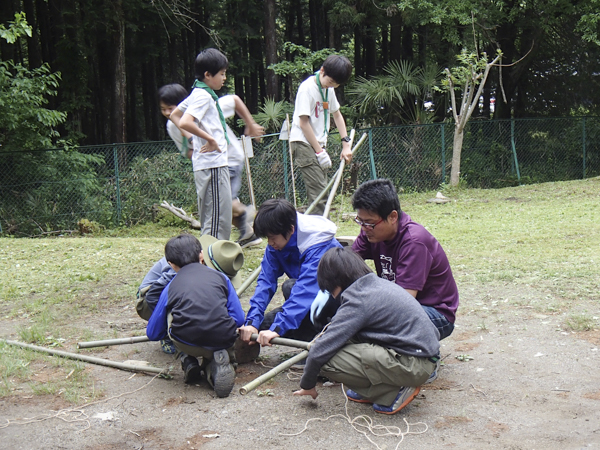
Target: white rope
[(364, 425)]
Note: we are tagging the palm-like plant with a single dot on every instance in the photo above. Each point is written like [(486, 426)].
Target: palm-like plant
[(272, 114), (397, 95)]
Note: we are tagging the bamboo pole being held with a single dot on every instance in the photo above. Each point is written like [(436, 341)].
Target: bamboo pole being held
[(337, 179), (324, 191), (89, 359), (274, 371), (287, 342), (108, 342)]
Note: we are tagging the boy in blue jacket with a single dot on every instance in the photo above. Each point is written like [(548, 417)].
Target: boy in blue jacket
[(296, 243), (200, 311)]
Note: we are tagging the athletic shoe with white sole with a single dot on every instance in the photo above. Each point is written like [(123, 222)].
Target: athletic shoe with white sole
[(404, 397), (221, 374), (249, 241)]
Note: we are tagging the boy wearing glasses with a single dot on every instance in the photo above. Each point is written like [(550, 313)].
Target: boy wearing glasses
[(404, 252)]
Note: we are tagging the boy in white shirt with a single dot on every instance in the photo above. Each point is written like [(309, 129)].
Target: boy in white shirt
[(243, 215), (204, 120), (315, 104)]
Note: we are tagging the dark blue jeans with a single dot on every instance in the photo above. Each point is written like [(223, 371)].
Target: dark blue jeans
[(439, 320)]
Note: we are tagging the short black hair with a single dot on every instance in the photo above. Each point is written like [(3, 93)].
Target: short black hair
[(275, 216), (183, 250), (210, 60), (340, 267), (337, 67), (172, 94), (378, 196)]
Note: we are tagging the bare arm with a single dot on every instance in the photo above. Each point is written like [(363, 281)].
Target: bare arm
[(340, 123), (309, 134), (252, 128), (188, 124), (175, 117)]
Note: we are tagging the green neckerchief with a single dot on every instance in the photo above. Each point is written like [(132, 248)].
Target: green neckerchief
[(324, 97), (202, 85)]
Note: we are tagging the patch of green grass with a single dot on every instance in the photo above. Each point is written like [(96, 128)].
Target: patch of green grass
[(14, 366), (580, 322)]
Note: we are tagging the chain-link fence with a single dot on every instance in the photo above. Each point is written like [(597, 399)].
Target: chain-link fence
[(118, 184)]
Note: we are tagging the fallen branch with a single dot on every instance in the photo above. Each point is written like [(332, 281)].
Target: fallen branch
[(179, 212)]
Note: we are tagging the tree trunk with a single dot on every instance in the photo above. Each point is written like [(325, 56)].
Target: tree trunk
[(271, 49), (456, 154), (118, 132)]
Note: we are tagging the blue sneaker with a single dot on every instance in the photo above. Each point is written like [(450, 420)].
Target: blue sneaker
[(356, 397), (404, 397), (168, 347), (434, 374)]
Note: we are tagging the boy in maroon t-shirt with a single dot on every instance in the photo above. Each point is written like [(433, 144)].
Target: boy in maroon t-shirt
[(405, 252)]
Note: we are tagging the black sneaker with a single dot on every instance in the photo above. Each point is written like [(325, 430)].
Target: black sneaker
[(249, 241), (221, 374), (191, 370)]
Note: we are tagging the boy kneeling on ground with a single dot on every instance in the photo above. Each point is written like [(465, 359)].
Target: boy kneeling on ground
[(200, 311), (380, 343)]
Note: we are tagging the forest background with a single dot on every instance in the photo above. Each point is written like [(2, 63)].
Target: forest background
[(109, 57)]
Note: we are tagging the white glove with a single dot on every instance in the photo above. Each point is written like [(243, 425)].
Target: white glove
[(318, 304), (324, 159)]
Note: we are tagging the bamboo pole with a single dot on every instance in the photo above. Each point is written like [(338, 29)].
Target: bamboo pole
[(289, 128), (107, 342), (337, 179), (324, 191), (274, 371), (287, 342), (89, 359)]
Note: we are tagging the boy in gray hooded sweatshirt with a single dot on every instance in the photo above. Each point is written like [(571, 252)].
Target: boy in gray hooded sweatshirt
[(380, 343)]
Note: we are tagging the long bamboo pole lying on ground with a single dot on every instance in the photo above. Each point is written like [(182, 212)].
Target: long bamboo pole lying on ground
[(274, 371), (129, 340), (89, 359)]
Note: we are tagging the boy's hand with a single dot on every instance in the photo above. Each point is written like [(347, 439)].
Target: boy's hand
[(265, 336), (312, 392), (246, 333), (346, 152), (254, 130), (210, 146)]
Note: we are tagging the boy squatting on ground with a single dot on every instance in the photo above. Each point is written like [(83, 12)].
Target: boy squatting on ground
[(404, 252), (296, 243), (315, 103), (173, 103), (204, 120), (200, 311), (380, 342)]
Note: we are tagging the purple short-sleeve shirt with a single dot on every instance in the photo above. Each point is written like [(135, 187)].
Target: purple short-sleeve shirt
[(415, 260)]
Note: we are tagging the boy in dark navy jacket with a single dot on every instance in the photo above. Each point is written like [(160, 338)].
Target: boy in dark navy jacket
[(200, 311)]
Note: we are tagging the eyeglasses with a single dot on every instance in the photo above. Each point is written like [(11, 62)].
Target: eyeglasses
[(367, 225)]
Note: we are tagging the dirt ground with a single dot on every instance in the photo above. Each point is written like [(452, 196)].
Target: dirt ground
[(531, 384)]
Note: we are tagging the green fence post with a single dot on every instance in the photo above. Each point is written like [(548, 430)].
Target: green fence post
[(514, 148), (285, 170), (117, 183), (583, 138), (443, 128), (372, 158)]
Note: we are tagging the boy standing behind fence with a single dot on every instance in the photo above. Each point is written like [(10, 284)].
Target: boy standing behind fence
[(204, 120), (315, 102)]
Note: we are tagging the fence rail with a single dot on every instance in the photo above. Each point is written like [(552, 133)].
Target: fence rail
[(117, 184)]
